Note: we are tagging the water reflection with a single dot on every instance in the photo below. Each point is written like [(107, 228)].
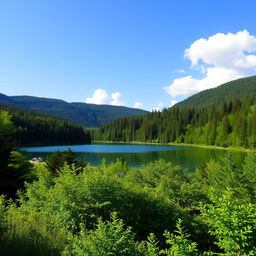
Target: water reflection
[(138, 155)]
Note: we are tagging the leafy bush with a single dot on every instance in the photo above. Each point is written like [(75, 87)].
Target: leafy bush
[(180, 244), (69, 214), (232, 223), (3, 224), (109, 238)]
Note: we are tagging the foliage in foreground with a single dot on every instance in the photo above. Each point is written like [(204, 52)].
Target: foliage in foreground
[(14, 169), (116, 210)]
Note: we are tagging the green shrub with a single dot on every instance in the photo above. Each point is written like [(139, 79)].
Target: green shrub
[(109, 238), (232, 223)]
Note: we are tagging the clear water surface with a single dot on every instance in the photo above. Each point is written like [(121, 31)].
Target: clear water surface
[(137, 155)]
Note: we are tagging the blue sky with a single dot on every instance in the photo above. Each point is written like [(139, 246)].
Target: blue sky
[(148, 54)]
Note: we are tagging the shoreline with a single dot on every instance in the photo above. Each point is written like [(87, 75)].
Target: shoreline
[(239, 149), (49, 145)]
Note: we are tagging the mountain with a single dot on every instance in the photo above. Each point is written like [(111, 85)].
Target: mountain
[(241, 88), (223, 116), (6, 99), (87, 115)]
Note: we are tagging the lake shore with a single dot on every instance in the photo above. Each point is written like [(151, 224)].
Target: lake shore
[(138, 154), (239, 149)]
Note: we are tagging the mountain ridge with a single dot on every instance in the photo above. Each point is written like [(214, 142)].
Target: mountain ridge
[(83, 114), (243, 87)]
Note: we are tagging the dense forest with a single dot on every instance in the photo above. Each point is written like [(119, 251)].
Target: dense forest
[(231, 123), (82, 114), (240, 88), (31, 128)]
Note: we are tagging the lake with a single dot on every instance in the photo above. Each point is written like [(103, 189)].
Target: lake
[(137, 155)]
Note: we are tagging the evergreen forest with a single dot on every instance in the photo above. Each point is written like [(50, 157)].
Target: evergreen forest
[(32, 128), (231, 123), (224, 116)]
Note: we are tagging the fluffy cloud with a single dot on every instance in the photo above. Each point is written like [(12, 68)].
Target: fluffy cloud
[(100, 96), (188, 85), (116, 99), (173, 102), (220, 58), (159, 107), (224, 50), (137, 105)]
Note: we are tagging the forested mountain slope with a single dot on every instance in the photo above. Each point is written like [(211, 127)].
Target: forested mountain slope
[(228, 120), (241, 88), (6, 99), (87, 115), (32, 128)]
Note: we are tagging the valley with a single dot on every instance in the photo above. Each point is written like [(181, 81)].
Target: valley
[(127, 128)]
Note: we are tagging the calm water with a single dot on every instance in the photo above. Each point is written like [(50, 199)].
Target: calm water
[(137, 155)]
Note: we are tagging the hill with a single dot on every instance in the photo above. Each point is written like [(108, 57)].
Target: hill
[(32, 128), (241, 88), (224, 116), (6, 99), (83, 114)]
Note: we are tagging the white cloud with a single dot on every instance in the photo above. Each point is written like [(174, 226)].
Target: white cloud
[(173, 102), (159, 107), (188, 85), (223, 50), (100, 96), (180, 71), (220, 58), (116, 99), (137, 105)]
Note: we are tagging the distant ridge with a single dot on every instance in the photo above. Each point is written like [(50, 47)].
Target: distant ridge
[(6, 99), (87, 115), (244, 87)]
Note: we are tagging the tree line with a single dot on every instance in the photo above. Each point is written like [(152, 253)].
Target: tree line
[(33, 128), (232, 123)]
